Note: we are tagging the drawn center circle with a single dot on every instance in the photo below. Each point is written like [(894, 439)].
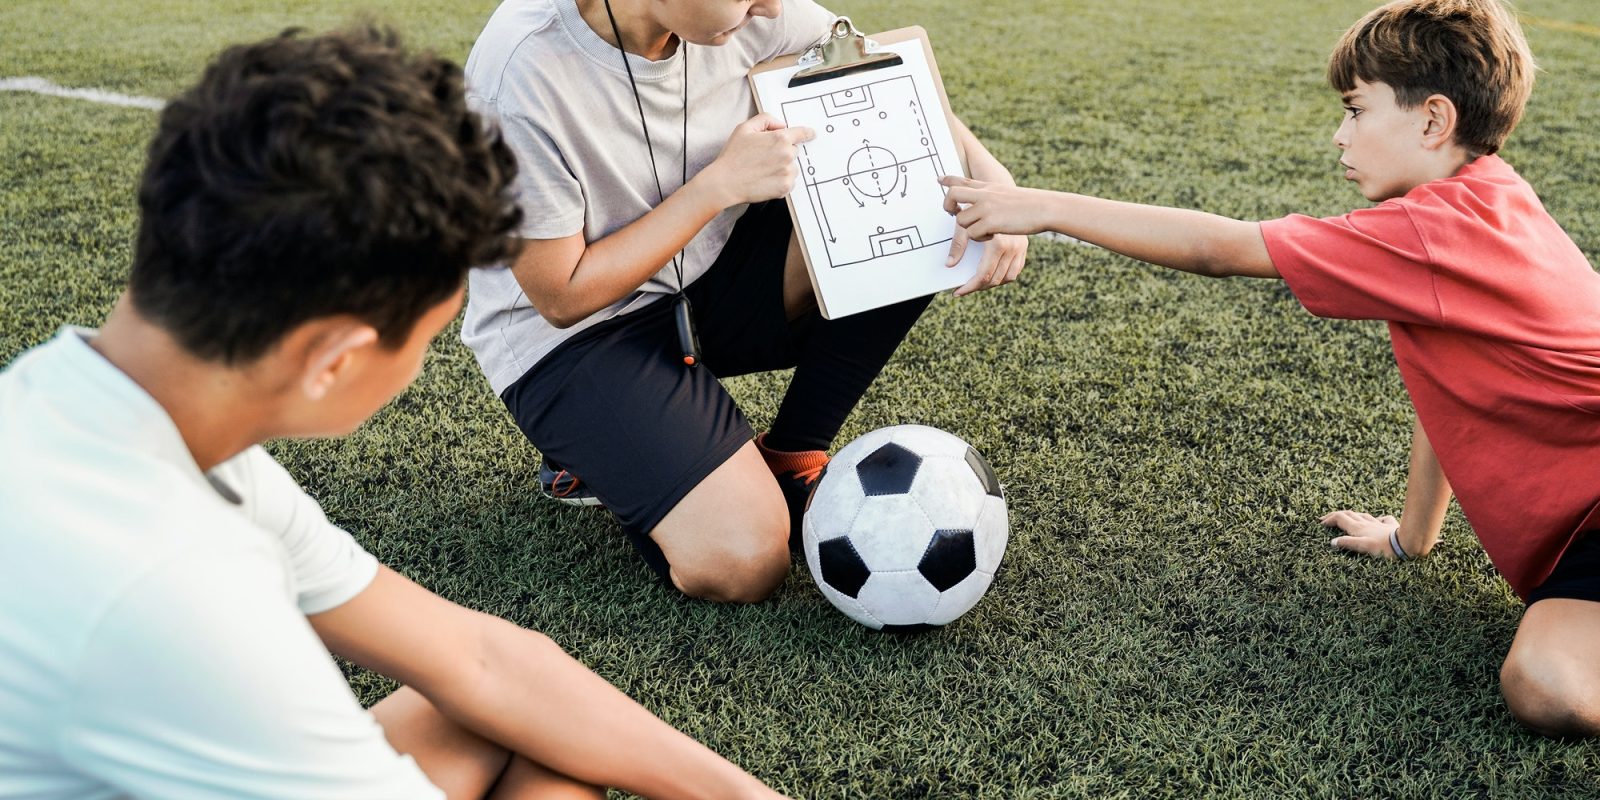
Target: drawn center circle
[(874, 171)]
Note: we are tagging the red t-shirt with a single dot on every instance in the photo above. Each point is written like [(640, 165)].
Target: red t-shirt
[(1494, 315)]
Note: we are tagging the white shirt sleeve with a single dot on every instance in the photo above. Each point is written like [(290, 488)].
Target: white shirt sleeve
[(803, 23), (329, 566), (203, 681), (552, 199)]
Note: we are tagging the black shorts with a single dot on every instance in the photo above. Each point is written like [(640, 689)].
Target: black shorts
[(1577, 574), (616, 406)]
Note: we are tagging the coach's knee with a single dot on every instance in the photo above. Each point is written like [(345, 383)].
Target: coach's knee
[(1552, 695), (744, 566)]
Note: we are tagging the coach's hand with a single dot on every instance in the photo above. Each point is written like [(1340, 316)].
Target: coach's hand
[(1363, 533), (1007, 252), (758, 162)]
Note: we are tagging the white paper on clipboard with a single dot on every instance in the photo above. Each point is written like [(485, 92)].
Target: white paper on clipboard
[(868, 206)]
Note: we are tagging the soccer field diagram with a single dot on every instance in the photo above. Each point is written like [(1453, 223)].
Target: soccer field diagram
[(871, 175)]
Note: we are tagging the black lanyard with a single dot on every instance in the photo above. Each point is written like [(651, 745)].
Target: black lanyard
[(688, 341), (677, 260)]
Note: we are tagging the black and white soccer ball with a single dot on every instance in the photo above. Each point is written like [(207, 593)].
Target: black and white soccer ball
[(905, 529)]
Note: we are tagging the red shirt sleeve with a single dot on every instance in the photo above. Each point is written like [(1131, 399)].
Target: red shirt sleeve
[(1368, 264)]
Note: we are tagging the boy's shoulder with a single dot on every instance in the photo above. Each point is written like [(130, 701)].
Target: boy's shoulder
[(1487, 216), (1467, 250), (1487, 188), (101, 481), (1486, 203)]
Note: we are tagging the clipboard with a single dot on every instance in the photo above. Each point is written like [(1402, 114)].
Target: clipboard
[(867, 206)]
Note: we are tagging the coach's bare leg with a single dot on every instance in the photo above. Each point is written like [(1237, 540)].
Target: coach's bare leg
[(798, 297), (728, 539), (463, 764), (1551, 677)]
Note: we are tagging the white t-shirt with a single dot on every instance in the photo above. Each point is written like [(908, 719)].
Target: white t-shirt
[(561, 98), (153, 633)]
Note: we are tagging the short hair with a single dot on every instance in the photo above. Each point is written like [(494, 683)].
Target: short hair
[(307, 177), (1471, 51)]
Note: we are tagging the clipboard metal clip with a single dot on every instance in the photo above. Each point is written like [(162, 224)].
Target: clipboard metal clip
[(844, 51)]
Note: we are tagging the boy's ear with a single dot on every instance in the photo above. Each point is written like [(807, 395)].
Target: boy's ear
[(1439, 128), (331, 354)]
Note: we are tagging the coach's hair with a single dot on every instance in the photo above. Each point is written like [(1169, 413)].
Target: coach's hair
[(307, 177), (1471, 51)]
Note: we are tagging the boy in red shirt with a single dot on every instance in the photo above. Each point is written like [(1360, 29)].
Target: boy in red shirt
[(1493, 312)]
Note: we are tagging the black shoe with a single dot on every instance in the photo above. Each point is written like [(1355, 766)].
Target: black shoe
[(797, 475), (564, 487)]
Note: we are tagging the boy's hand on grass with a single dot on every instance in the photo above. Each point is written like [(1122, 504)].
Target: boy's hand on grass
[(1003, 259), (1363, 533)]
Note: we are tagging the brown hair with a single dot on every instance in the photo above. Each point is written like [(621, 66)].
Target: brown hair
[(1471, 51), (306, 177)]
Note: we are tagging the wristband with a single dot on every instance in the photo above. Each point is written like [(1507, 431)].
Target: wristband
[(1394, 544)]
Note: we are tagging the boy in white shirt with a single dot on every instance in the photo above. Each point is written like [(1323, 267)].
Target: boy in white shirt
[(169, 595)]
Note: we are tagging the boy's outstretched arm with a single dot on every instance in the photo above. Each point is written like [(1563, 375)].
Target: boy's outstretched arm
[(517, 688), (1427, 499), (1192, 241), (1004, 258)]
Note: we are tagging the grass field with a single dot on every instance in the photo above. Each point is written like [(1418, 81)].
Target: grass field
[(1169, 621)]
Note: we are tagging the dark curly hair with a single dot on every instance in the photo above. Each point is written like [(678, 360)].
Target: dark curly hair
[(305, 177)]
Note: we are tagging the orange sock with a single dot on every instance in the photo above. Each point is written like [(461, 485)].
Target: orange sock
[(806, 465)]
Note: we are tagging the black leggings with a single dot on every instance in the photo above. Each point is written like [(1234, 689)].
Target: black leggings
[(840, 359)]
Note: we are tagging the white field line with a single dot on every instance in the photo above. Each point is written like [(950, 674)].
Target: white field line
[(42, 86)]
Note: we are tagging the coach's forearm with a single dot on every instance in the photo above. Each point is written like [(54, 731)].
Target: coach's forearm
[(536, 700), (1427, 497), (981, 163), (1191, 241), (613, 267)]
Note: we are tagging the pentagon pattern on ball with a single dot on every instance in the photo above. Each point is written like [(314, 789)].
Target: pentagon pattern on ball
[(898, 598), (980, 465), (842, 567), (905, 529), (951, 557), (929, 442), (889, 470)]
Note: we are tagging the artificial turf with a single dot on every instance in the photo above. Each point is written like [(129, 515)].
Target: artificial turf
[(1169, 619)]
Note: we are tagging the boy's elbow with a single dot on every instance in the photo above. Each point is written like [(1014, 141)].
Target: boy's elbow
[(1236, 250), (1211, 261)]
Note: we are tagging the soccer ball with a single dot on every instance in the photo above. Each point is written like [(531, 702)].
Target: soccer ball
[(905, 529)]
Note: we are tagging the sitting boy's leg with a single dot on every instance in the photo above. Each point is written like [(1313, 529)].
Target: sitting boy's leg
[(728, 538), (525, 780), (1551, 677), (464, 765)]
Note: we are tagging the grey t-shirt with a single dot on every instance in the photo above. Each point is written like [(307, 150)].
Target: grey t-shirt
[(561, 98)]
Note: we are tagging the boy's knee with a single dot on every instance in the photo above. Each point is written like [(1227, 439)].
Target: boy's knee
[(1552, 696), (742, 567)]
